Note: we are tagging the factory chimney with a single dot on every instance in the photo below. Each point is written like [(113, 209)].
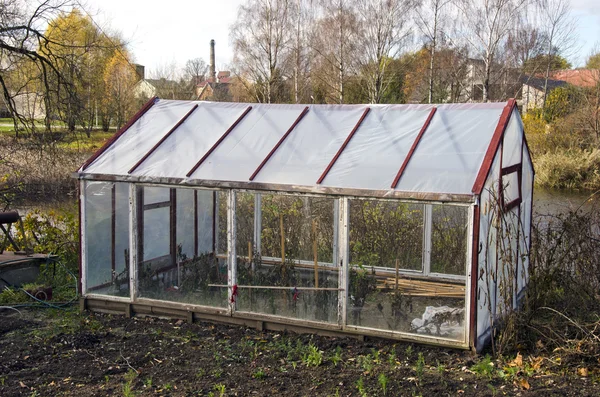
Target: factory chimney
[(213, 73)]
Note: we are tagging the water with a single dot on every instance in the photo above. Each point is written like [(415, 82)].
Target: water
[(552, 202)]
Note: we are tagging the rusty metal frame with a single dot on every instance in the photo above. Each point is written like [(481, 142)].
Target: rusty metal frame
[(474, 277), (118, 134), (164, 138), (488, 159), (276, 187), (413, 148), (218, 142), (341, 149), (283, 138)]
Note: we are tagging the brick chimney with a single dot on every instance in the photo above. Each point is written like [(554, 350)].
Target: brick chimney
[(213, 73)]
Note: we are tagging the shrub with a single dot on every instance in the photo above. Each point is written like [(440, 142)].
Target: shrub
[(570, 169)]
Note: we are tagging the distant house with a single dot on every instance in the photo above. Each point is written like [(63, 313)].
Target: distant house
[(164, 88), (215, 88), (584, 78), (532, 92)]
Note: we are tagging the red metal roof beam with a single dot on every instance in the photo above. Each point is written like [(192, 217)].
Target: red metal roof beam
[(346, 142), (288, 132), (221, 139), (493, 147), (164, 138), (413, 148)]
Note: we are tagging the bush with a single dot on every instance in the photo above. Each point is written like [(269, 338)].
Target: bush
[(569, 169), (561, 312)]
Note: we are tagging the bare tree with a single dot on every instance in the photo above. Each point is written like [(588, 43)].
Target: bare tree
[(486, 26), (430, 20), (261, 38), (559, 28), (303, 17), (22, 41), (334, 41), (195, 71), (383, 30)]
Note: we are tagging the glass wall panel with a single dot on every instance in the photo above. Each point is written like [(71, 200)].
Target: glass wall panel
[(206, 200), (293, 275), (185, 223), (179, 263), (387, 288), (449, 231), (386, 233), (107, 238)]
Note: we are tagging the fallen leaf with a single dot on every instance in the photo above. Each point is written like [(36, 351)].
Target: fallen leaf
[(25, 358), (583, 372), (536, 363), (23, 384), (524, 384), (51, 383), (518, 361), (539, 344)]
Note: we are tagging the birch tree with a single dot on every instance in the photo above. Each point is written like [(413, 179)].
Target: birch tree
[(559, 28), (431, 20), (383, 29), (261, 38), (334, 41), (486, 27)]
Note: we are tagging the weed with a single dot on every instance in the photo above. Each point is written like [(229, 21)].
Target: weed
[(167, 386), (259, 374), (376, 356), (383, 381), (392, 358), (2, 380), (337, 356), (409, 351), (420, 367), (366, 363), (485, 367), (148, 382), (201, 373), (130, 377), (220, 388), (360, 385), (313, 357), (217, 372)]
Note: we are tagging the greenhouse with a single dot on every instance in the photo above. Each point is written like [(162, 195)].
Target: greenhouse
[(407, 222)]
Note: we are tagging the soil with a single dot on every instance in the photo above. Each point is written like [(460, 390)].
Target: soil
[(58, 353)]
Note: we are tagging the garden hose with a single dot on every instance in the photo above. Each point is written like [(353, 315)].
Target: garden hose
[(41, 303)]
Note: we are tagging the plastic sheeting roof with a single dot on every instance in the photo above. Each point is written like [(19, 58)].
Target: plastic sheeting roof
[(317, 146)]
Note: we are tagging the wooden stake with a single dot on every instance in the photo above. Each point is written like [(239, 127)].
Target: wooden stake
[(314, 230), (282, 238), (397, 271), (250, 251)]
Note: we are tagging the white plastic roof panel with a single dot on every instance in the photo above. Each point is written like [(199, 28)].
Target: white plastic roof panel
[(446, 160), (452, 149), (236, 158), (513, 138), (176, 156), (308, 150), (140, 138), (376, 152)]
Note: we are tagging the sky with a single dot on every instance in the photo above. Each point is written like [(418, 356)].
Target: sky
[(169, 32)]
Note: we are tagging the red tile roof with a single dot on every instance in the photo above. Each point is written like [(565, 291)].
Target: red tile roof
[(578, 77)]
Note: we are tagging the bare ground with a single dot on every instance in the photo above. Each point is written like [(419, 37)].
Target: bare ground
[(57, 353)]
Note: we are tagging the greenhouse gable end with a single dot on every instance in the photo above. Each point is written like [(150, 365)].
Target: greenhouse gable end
[(401, 221)]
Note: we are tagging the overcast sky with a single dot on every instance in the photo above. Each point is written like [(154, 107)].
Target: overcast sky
[(173, 31)]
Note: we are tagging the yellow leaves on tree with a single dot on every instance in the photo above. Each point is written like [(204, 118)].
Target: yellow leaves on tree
[(119, 79)]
